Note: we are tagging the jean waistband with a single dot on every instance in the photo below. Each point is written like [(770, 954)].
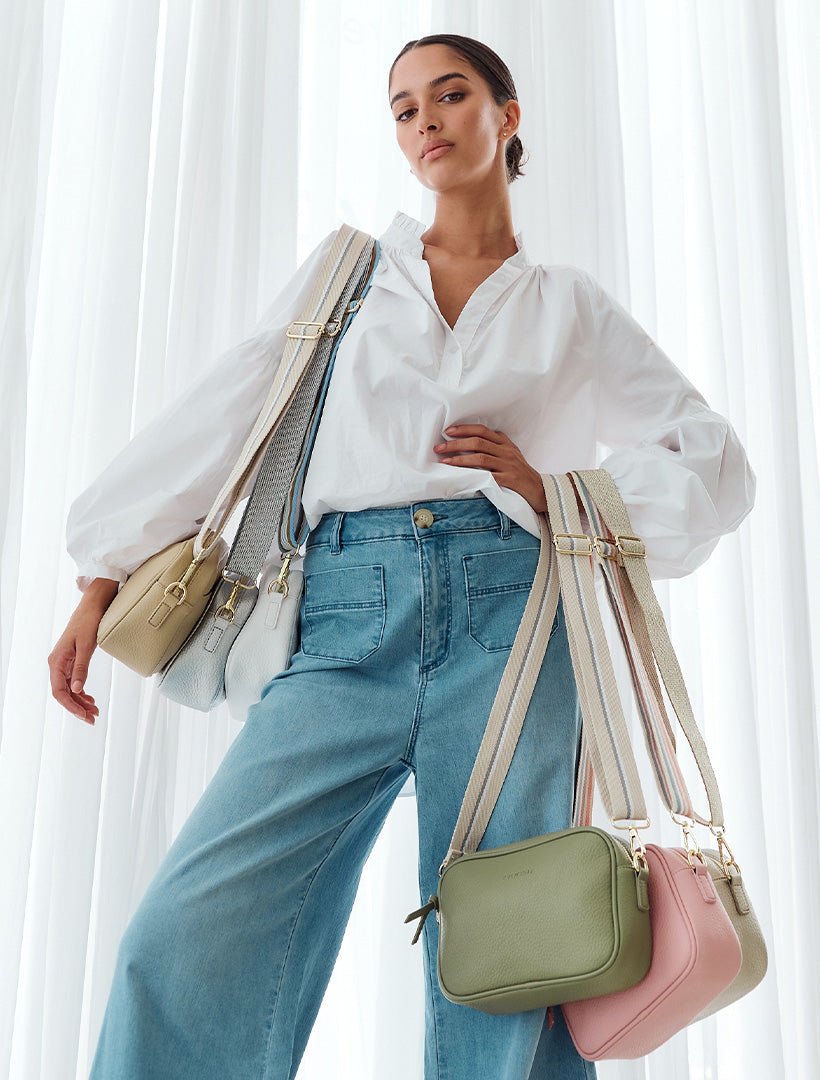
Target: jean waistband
[(415, 520)]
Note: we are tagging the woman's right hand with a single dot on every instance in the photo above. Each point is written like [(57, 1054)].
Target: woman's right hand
[(69, 659)]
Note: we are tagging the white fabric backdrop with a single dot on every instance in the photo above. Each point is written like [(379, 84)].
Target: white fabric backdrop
[(164, 167)]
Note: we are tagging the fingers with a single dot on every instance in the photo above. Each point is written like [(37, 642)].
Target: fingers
[(82, 706), (460, 446), (64, 666), (78, 674), (464, 431)]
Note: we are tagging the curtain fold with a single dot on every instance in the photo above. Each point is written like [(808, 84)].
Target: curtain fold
[(165, 166)]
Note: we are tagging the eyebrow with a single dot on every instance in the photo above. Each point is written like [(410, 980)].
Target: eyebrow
[(432, 84)]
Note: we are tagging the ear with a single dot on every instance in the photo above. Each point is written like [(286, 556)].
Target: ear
[(512, 117)]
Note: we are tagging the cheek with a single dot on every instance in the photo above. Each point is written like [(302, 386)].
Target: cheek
[(478, 135), (404, 138)]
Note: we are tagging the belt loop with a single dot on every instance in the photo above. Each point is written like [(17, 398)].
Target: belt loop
[(504, 525), (336, 534)]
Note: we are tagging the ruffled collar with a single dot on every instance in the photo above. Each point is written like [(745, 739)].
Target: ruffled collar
[(404, 232)]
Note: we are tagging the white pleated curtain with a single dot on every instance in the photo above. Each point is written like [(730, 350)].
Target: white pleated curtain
[(165, 165)]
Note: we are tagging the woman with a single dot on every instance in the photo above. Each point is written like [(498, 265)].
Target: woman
[(467, 373)]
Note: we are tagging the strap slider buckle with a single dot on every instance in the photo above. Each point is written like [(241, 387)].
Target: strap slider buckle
[(606, 549), (320, 328), (639, 554), (572, 550)]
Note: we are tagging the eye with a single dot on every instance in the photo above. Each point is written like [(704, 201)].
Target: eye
[(452, 93)]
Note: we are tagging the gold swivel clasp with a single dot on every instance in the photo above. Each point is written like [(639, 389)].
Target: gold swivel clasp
[(228, 611), (280, 582)]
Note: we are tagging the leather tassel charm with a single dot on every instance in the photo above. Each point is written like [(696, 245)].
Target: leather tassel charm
[(423, 912)]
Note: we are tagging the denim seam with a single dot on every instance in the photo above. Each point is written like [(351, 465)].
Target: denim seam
[(427, 669), (426, 932), (407, 536), (266, 1062), (407, 756)]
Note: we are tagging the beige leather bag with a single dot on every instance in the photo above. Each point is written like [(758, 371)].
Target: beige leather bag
[(161, 604), (151, 616)]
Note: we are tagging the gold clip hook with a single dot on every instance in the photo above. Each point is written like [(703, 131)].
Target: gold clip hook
[(228, 611), (280, 582)]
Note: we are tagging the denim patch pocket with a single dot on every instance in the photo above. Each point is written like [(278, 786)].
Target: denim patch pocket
[(343, 612), (498, 585)]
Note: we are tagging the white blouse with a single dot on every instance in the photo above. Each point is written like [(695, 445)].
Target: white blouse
[(540, 352)]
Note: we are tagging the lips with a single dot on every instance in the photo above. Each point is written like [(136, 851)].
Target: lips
[(435, 146)]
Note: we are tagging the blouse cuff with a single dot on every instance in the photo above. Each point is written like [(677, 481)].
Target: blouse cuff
[(680, 506), (90, 570)]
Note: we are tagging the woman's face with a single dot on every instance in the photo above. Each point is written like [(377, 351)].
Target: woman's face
[(458, 109)]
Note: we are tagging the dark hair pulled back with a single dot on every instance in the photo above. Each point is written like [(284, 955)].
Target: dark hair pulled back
[(494, 72)]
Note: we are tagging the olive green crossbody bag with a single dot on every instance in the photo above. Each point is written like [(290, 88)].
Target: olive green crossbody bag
[(562, 916)]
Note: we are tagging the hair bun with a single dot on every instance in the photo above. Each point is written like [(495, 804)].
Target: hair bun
[(515, 150)]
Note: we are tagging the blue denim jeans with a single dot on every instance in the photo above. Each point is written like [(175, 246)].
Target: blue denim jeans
[(407, 618)]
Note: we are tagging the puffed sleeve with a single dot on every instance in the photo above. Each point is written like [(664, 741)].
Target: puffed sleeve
[(679, 466), (160, 486)]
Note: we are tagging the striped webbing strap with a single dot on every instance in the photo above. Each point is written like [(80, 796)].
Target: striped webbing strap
[(570, 572), (294, 528), (646, 640), (275, 509), (335, 271), (658, 733)]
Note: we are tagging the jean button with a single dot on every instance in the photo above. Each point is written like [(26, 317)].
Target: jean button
[(423, 518)]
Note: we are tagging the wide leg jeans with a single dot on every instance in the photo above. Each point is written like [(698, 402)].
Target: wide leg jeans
[(407, 619)]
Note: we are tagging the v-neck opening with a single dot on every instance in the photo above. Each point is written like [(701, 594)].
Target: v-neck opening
[(405, 232), (403, 239), (471, 301)]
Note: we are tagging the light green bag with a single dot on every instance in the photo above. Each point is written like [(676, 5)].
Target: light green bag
[(566, 912), (563, 916)]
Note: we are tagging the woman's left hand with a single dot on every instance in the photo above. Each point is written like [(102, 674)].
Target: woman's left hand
[(476, 446)]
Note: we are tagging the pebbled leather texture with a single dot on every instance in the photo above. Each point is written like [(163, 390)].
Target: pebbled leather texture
[(195, 676), (734, 898), (264, 647), (695, 955), (143, 628), (540, 921)]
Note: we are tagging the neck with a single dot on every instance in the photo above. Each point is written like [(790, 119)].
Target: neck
[(474, 229)]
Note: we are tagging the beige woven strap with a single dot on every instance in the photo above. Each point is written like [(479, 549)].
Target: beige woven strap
[(632, 562), (607, 731), (561, 568), (510, 705), (654, 718), (335, 271)]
